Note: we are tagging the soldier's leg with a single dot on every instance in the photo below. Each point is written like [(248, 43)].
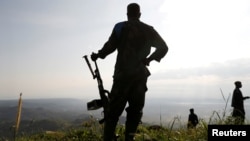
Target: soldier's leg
[(109, 129), (136, 102), (117, 105), (239, 116)]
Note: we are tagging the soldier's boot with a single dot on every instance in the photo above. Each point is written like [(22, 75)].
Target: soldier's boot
[(133, 120), (130, 131)]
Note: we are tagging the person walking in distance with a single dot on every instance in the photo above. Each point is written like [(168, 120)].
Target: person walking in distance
[(133, 40), (192, 119), (238, 103)]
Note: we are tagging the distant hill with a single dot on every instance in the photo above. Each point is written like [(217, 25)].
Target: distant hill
[(42, 114), (38, 109)]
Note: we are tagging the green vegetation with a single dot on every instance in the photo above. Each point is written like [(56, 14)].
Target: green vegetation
[(92, 131)]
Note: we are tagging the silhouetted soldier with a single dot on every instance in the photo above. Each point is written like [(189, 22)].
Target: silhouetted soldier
[(192, 119), (238, 104), (133, 40)]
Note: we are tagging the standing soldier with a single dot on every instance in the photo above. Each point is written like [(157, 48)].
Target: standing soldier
[(238, 103), (192, 119), (133, 40)]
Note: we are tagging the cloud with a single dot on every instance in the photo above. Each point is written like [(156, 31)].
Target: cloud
[(227, 69), (201, 82)]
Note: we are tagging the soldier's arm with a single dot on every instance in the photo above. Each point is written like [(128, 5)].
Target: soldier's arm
[(109, 47), (160, 45)]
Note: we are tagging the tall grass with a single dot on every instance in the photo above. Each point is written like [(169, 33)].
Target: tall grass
[(18, 116), (226, 102)]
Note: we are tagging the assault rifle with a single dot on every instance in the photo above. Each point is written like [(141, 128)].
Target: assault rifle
[(104, 101)]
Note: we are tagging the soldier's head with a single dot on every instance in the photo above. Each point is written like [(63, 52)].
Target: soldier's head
[(133, 11), (191, 110), (238, 84)]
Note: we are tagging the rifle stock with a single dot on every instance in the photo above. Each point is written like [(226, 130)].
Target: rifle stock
[(103, 101)]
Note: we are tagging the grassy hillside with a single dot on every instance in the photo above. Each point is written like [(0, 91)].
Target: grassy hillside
[(57, 128), (91, 130)]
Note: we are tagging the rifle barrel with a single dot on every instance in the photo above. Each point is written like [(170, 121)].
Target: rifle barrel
[(89, 65)]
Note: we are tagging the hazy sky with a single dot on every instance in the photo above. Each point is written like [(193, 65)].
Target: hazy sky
[(42, 44)]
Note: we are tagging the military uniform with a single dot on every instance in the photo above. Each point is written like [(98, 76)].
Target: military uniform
[(237, 103), (133, 40)]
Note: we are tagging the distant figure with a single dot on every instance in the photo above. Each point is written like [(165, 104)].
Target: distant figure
[(192, 119), (133, 40), (238, 104)]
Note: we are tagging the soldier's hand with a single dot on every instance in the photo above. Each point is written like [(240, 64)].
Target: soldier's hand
[(94, 56), (146, 61)]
